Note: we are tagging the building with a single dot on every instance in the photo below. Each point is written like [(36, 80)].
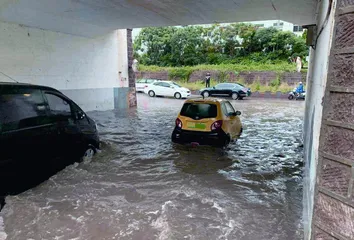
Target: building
[(281, 25)]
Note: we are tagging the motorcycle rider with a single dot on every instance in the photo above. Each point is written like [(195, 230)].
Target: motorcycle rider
[(300, 88)]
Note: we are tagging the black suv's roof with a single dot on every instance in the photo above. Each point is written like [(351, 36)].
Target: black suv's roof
[(27, 85)]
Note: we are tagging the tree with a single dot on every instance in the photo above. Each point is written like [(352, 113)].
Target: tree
[(239, 42)]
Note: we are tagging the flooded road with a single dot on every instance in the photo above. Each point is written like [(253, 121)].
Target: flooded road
[(141, 186)]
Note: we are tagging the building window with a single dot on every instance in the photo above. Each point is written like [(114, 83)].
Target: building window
[(259, 25), (278, 24), (298, 29)]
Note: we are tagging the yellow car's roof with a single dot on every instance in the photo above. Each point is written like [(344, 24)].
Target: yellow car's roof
[(204, 100)]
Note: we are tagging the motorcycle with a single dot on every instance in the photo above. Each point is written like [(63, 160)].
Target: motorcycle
[(295, 95)]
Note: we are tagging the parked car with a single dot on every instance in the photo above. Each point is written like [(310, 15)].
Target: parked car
[(141, 84), (168, 89), (207, 122), (233, 90), (41, 130)]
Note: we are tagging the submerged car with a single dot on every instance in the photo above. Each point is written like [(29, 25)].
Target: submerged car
[(41, 130), (167, 89), (207, 122), (233, 90), (141, 84)]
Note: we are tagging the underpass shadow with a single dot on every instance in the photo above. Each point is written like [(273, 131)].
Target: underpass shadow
[(201, 159)]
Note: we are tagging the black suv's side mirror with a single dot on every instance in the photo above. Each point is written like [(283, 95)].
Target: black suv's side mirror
[(80, 115), (237, 113)]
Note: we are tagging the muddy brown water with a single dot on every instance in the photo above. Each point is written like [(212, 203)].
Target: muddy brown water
[(141, 186)]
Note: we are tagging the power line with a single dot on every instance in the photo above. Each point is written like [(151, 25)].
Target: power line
[(9, 77)]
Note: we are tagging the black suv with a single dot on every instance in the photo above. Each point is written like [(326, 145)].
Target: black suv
[(234, 90), (41, 132)]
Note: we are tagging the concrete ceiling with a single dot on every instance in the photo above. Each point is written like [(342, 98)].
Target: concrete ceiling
[(96, 17)]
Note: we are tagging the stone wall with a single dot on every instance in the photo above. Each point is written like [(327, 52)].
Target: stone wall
[(334, 196), (248, 77), (153, 75)]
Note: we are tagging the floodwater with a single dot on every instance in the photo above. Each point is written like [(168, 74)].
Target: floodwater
[(142, 187)]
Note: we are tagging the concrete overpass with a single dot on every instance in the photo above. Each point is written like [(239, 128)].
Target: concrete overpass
[(73, 45)]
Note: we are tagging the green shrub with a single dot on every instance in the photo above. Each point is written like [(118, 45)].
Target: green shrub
[(258, 86), (224, 76), (275, 83), (181, 73)]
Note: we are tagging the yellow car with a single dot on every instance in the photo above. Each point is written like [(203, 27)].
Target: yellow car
[(207, 122)]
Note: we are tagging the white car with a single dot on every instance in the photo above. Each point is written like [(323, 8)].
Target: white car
[(141, 84), (168, 89)]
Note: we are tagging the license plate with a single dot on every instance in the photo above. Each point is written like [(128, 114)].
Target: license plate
[(196, 125)]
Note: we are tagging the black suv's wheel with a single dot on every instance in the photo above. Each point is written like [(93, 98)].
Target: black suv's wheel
[(206, 94), (88, 154), (235, 96)]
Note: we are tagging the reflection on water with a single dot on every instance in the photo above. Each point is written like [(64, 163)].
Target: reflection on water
[(141, 186)]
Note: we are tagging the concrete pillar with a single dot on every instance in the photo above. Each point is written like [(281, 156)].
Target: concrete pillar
[(315, 89), (132, 92), (334, 193), (124, 94)]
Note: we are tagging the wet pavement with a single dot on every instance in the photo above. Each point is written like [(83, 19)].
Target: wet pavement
[(141, 186)]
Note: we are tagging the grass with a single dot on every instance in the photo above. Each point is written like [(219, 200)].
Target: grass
[(283, 87), (255, 67), (256, 86)]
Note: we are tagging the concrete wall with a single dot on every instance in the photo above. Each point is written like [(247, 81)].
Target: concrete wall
[(86, 69), (316, 83), (334, 192)]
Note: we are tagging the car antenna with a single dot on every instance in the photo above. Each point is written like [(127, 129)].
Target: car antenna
[(9, 77)]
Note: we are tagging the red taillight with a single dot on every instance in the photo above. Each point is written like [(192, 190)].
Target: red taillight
[(216, 125), (178, 123)]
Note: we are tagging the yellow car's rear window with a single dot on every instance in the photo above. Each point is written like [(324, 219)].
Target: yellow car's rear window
[(199, 110)]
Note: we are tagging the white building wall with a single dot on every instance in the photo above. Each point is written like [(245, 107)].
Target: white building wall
[(86, 69), (122, 51), (316, 84)]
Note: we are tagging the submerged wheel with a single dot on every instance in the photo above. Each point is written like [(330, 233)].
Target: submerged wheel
[(88, 154)]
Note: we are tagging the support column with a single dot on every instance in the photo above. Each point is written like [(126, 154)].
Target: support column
[(124, 93), (334, 194), (131, 73)]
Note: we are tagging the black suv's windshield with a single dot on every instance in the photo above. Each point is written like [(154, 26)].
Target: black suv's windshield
[(199, 110)]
